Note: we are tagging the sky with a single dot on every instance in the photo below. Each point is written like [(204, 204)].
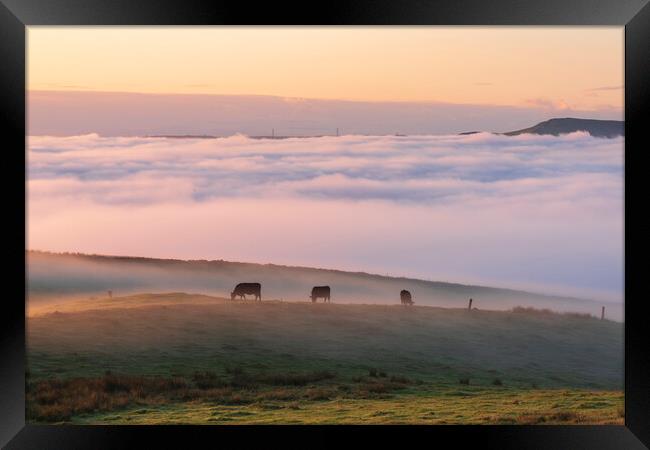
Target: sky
[(65, 113), (576, 67), (541, 213)]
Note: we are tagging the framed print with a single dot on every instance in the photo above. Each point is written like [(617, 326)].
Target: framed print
[(355, 220)]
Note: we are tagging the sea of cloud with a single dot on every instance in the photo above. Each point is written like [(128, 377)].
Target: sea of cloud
[(528, 211)]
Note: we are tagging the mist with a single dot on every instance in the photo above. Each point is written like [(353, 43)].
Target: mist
[(539, 213), (58, 279)]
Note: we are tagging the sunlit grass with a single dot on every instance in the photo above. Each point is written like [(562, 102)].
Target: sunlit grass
[(509, 407)]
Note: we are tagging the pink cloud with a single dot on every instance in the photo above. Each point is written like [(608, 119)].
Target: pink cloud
[(537, 210)]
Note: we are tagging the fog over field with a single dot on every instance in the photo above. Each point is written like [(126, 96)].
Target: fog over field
[(541, 213), (66, 282)]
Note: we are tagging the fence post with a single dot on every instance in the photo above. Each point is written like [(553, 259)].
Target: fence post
[(602, 314), (469, 308)]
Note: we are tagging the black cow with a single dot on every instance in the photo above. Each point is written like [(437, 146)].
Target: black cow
[(405, 297), (320, 291), (247, 288)]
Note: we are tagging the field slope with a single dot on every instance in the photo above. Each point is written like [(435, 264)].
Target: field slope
[(185, 358), (56, 278)]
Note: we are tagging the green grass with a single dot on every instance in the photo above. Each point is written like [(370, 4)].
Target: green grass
[(534, 408), (321, 399), (314, 363)]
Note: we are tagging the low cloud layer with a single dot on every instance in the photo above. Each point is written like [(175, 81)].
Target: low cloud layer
[(535, 212)]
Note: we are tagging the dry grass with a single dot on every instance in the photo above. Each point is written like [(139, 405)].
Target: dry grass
[(369, 388), (59, 400), (242, 379), (325, 405), (562, 417), (134, 399)]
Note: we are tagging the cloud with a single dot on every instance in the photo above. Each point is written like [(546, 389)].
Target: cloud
[(556, 105), (527, 209), (418, 169), (605, 88)]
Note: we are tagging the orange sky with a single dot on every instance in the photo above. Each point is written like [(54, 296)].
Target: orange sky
[(572, 67)]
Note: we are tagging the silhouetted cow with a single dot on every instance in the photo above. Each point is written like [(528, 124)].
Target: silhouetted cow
[(405, 297), (247, 288), (320, 292)]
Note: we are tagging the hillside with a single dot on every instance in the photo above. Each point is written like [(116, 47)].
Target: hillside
[(156, 333), (556, 127), (55, 278), (279, 362)]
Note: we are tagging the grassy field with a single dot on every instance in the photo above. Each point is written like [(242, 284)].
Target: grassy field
[(182, 358)]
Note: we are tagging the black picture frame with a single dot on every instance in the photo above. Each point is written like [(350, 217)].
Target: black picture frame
[(15, 15)]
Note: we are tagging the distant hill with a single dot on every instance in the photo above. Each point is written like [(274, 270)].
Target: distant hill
[(555, 127), (61, 277)]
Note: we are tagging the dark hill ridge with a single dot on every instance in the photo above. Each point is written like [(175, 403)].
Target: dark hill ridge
[(556, 127)]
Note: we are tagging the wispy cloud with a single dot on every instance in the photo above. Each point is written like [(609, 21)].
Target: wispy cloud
[(557, 105), (605, 88)]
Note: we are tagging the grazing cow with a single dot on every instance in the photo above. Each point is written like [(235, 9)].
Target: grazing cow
[(405, 297), (320, 291), (247, 288)]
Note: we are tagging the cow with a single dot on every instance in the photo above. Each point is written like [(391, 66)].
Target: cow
[(247, 288), (320, 291), (405, 297)]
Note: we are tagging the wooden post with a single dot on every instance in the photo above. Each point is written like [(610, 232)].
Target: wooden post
[(602, 314), (110, 294), (469, 308)]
